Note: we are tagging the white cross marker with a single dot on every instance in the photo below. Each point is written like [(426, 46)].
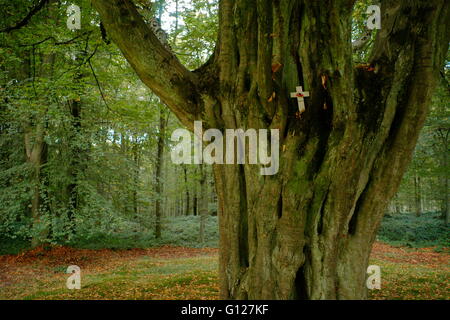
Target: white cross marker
[(299, 94)]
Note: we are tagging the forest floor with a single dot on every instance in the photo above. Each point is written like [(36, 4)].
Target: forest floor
[(168, 273)]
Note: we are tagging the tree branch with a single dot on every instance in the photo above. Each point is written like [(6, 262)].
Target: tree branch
[(409, 31), (55, 42), (28, 17), (158, 68), (408, 53)]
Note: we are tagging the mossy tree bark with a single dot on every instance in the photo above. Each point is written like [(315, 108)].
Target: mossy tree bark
[(306, 232)]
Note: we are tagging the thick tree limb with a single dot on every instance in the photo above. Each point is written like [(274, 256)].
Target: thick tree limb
[(158, 68), (28, 17), (409, 52), (416, 25)]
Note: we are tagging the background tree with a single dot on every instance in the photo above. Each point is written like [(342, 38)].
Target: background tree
[(70, 102)]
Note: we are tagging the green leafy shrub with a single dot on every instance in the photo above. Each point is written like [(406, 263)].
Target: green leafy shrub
[(407, 229), (178, 231), (122, 234)]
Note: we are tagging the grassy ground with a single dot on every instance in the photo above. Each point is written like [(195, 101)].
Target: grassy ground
[(409, 274), (189, 273)]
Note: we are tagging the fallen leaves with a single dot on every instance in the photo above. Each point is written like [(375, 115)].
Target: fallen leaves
[(187, 273), (424, 256)]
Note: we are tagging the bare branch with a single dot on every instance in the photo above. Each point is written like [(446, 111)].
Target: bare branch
[(28, 17)]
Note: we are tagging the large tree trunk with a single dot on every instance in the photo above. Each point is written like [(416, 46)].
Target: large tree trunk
[(307, 231)]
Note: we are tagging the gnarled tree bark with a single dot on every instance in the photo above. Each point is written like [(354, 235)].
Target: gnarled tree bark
[(306, 232)]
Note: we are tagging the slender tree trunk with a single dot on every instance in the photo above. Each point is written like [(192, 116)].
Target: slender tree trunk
[(37, 156), (203, 208), (445, 202), (417, 196), (136, 171), (307, 231), (77, 153), (75, 160), (397, 204), (36, 150), (195, 204), (195, 197), (158, 176), (187, 212)]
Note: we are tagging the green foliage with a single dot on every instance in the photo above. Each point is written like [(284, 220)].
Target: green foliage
[(96, 185), (13, 246), (106, 230), (425, 183), (407, 229), (195, 38), (180, 231)]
